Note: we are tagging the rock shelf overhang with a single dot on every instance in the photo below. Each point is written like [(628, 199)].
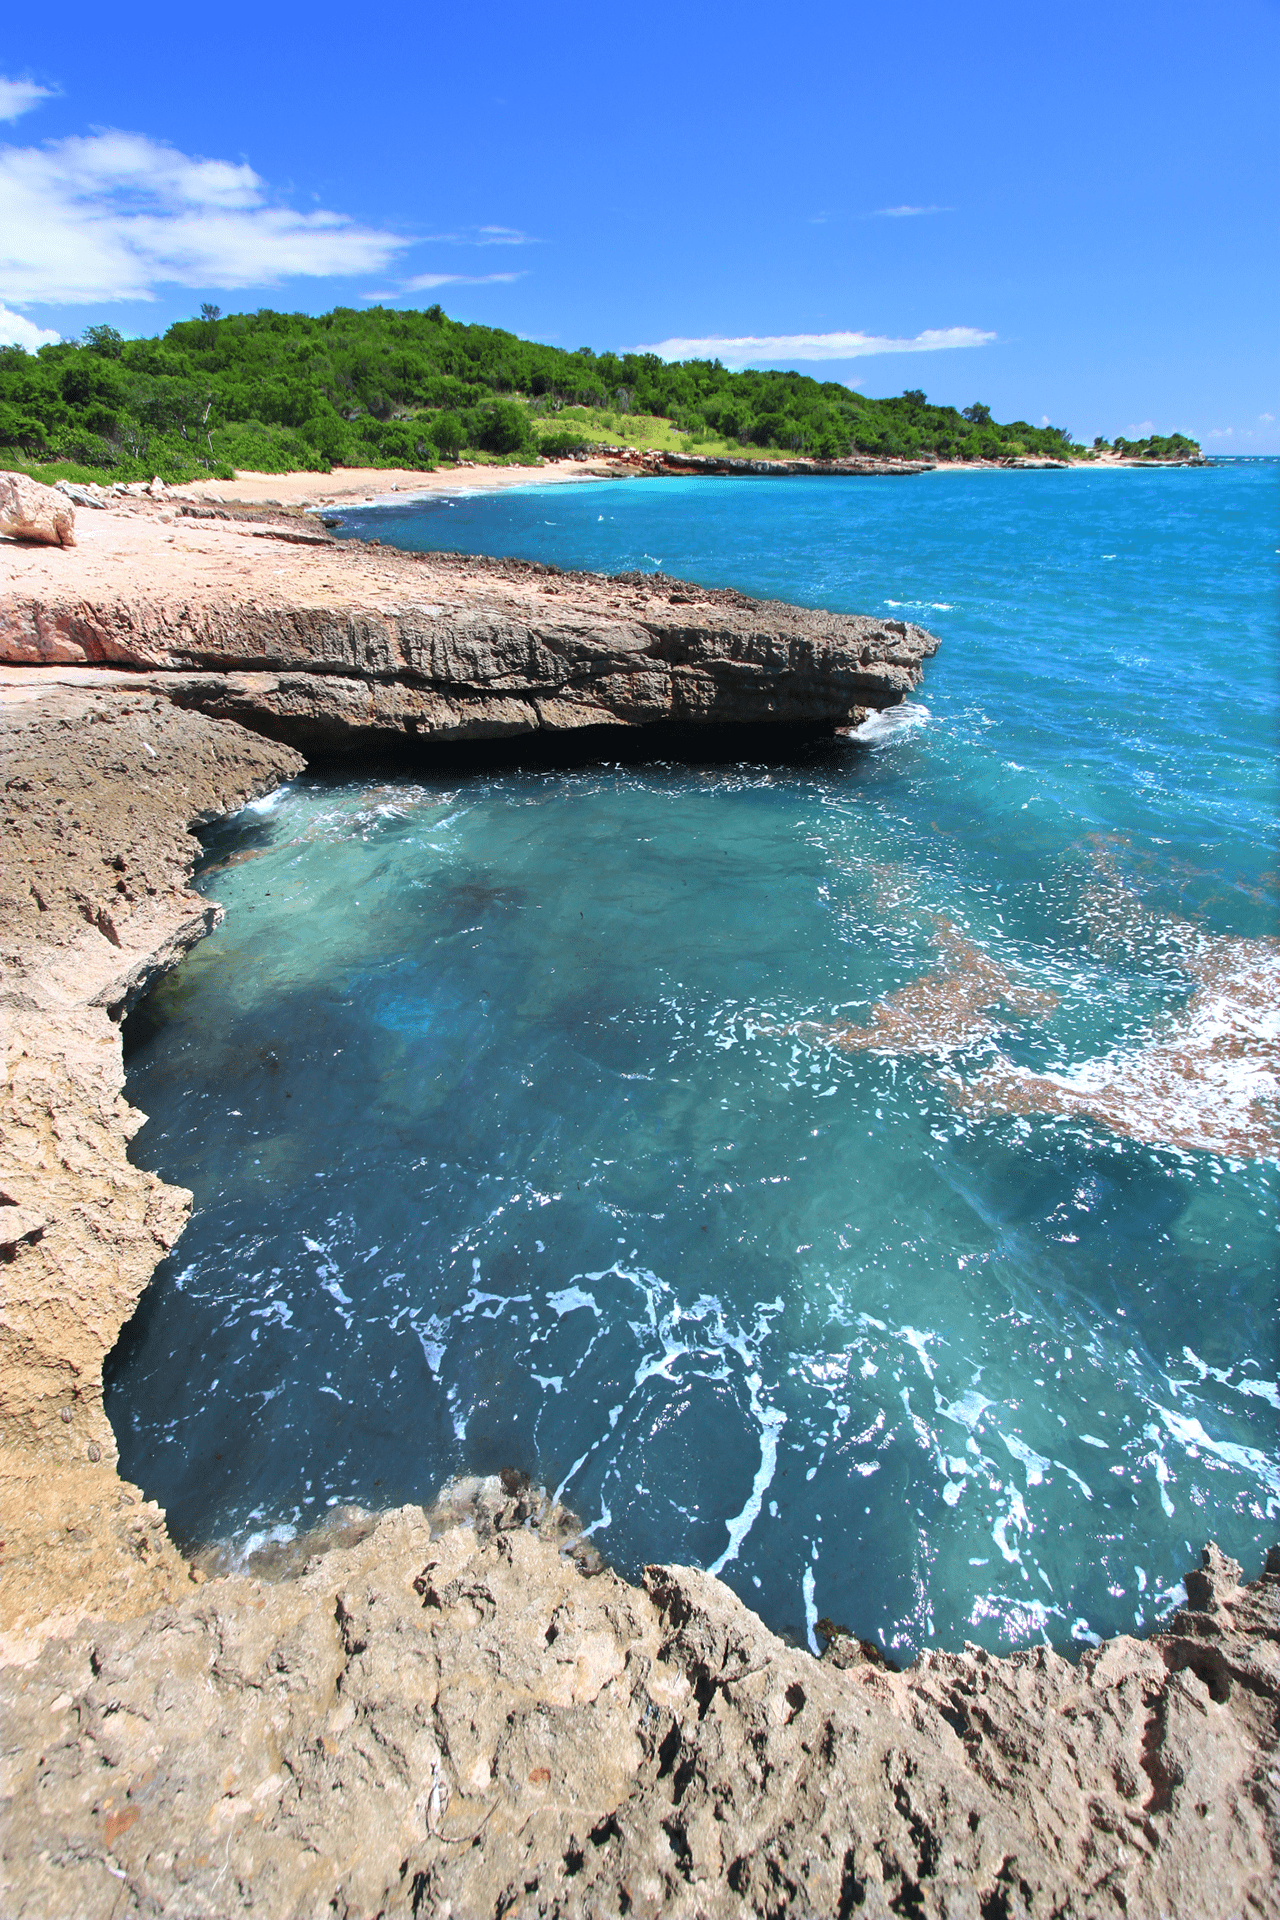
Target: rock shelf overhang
[(332, 645), (453, 1712)]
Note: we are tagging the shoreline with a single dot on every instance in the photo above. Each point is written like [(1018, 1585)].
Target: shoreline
[(381, 487), (429, 1707), (449, 1705)]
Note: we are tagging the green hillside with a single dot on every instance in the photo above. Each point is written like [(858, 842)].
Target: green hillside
[(277, 392)]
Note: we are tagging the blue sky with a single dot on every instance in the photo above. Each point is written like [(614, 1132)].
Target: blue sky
[(1067, 211)]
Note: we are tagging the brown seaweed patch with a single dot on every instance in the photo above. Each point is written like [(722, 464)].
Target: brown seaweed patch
[(948, 1010), (1208, 1083)]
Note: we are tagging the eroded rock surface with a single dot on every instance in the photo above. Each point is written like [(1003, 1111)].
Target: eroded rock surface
[(456, 1720), (96, 793), (461, 1712), (30, 511), (333, 645)]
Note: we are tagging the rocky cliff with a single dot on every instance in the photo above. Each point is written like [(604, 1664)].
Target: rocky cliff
[(452, 1716), (332, 645), (460, 1711)]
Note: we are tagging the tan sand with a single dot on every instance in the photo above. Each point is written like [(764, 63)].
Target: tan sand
[(346, 485)]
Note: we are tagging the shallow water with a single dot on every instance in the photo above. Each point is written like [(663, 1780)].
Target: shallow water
[(858, 1175)]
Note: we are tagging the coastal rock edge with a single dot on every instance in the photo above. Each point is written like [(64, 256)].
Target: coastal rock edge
[(338, 645), (448, 1712)]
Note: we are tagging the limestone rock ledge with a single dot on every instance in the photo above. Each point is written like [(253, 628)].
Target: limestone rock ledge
[(333, 645), (96, 793), (456, 1714), (453, 1719)]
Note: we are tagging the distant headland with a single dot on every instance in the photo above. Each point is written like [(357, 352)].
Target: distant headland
[(287, 393)]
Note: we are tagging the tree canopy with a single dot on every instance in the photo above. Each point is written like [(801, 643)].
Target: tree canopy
[(382, 387)]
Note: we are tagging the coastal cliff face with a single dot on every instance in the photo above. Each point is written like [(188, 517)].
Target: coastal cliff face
[(461, 1711), (452, 1716), (95, 855), (332, 646)]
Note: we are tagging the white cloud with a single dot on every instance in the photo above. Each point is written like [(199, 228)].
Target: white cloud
[(1268, 418), (110, 216), (422, 282), (487, 237), (17, 331), (742, 350), (1143, 430), (19, 96), (905, 213)]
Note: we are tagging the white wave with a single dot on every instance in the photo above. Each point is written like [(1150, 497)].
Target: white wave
[(890, 724), (269, 801), (807, 1587), (254, 1543), (772, 1420), (431, 1339), (968, 1409), (1250, 1460), (1035, 1463)]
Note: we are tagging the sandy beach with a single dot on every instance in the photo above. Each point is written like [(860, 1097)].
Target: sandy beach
[(347, 485)]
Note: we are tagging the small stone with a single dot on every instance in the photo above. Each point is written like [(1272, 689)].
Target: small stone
[(95, 1451), (65, 1416)]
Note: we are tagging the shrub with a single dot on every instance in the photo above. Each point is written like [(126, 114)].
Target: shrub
[(503, 428), (446, 435), (554, 446)]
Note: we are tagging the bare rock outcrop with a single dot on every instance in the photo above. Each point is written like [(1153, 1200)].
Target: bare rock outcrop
[(30, 511), (331, 645), (461, 1712), (451, 1717), (96, 795)]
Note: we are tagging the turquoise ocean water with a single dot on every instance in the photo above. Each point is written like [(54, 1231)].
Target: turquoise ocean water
[(856, 1174)]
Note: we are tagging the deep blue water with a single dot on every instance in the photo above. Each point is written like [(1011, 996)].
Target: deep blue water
[(858, 1175)]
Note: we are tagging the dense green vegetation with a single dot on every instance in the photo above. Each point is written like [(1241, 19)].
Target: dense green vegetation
[(279, 391), (1170, 446)]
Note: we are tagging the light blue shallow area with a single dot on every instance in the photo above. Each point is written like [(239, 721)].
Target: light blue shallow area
[(521, 1131)]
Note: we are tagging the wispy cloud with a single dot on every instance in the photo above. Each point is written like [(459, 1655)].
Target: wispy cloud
[(423, 282), (1261, 432), (19, 96), (742, 350), (17, 331), (111, 216), (485, 237), (905, 213)]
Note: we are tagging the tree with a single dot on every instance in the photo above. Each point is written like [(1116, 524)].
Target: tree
[(978, 414), (503, 428), (104, 340), (446, 435), (209, 313), (328, 435)]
